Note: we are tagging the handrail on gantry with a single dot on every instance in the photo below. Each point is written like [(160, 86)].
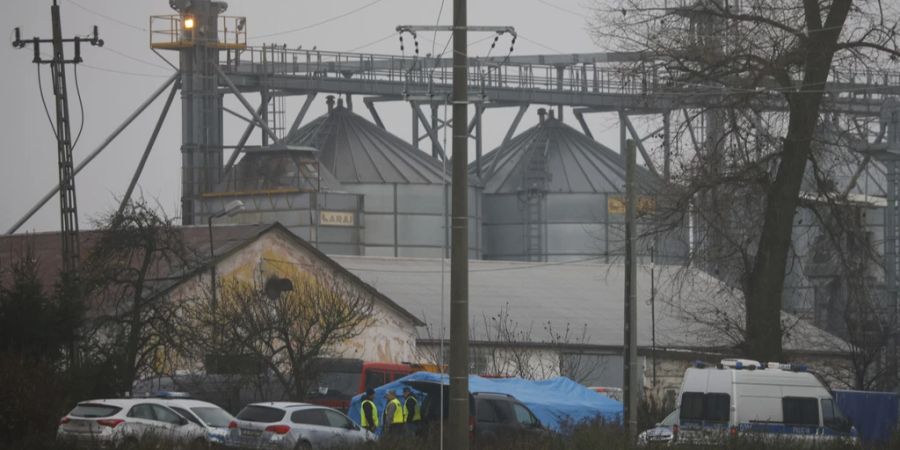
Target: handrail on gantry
[(598, 73)]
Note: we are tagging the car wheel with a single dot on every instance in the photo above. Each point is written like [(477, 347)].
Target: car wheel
[(303, 445), (200, 443)]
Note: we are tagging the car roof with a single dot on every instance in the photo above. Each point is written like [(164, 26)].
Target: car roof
[(119, 401), (187, 403), (494, 394), (283, 405)]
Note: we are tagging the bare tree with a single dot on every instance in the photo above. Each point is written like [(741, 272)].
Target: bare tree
[(129, 321), (284, 324), (764, 66), (504, 347), (853, 308)]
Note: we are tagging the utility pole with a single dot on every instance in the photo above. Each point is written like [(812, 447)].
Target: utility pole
[(459, 253), (631, 380), (458, 427), (68, 210)]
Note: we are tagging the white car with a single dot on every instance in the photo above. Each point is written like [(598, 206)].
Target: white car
[(117, 422), (662, 434), (211, 417), (292, 425)]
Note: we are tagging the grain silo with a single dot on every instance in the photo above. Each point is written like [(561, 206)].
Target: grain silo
[(554, 194), (403, 188)]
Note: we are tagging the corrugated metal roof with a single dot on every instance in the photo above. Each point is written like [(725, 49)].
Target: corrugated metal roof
[(357, 151), (574, 296), (572, 162)]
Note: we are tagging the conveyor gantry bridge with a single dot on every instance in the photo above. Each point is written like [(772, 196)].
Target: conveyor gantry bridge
[(588, 82), (603, 81)]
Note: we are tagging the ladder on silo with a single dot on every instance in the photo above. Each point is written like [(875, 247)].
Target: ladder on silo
[(534, 189), (276, 115)]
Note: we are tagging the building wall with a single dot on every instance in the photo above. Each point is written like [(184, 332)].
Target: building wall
[(390, 336), (302, 212)]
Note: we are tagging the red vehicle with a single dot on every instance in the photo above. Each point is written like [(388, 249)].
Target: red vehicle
[(339, 379)]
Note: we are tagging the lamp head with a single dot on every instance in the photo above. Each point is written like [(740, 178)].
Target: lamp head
[(233, 207)]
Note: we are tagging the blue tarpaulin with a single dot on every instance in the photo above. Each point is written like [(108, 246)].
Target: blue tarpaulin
[(874, 414), (554, 401)]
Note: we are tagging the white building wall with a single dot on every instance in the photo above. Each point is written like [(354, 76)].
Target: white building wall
[(390, 336)]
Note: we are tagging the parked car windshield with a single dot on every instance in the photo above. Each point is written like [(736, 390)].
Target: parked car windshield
[(214, 417), (253, 413), (94, 410), (670, 420)]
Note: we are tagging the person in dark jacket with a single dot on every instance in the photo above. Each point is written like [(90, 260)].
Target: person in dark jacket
[(411, 413)]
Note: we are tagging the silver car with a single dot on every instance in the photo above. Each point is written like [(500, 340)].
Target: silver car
[(291, 425), (211, 417), (664, 433), (115, 422)]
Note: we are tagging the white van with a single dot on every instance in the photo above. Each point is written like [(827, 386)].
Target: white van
[(744, 397)]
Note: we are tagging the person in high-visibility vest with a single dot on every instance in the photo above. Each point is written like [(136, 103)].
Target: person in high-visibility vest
[(368, 412), (411, 413), (393, 413)]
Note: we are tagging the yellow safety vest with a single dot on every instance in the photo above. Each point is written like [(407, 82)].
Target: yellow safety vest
[(398, 412), (362, 413), (417, 415)]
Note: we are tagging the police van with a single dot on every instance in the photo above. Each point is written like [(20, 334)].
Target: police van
[(741, 397)]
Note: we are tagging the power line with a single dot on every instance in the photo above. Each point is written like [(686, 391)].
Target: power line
[(122, 72), (44, 102), (80, 106), (322, 22), (382, 39), (436, 23), (565, 10), (112, 19), (541, 45), (127, 56)]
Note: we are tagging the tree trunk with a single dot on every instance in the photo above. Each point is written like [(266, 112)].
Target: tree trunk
[(765, 284)]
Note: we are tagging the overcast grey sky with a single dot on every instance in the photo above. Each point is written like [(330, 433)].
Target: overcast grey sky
[(115, 79)]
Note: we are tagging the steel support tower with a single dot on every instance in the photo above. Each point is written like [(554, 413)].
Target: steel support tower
[(68, 205)]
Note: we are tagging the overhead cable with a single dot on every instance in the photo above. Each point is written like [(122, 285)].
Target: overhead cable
[(322, 22), (112, 19)]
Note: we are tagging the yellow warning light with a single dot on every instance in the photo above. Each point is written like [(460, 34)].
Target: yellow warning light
[(188, 23)]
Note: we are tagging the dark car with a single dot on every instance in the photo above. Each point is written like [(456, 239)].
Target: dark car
[(491, 415)]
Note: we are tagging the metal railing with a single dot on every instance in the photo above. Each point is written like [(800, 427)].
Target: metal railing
[(426, 75), (169, 32)]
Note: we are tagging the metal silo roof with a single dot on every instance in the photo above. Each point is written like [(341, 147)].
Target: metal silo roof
[(278, 166), (570, 162), (357, 151)]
